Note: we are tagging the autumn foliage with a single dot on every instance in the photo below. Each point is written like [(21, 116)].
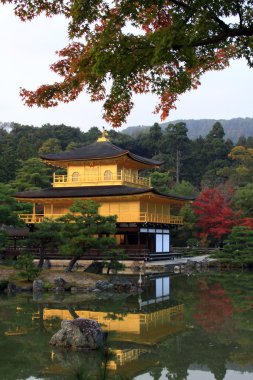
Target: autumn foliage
[(215, 215), (162, 47)]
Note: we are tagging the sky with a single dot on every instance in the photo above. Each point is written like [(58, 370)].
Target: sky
[(28, 49)]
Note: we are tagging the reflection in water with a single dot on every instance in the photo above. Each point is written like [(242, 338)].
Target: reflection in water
[(180, 328)]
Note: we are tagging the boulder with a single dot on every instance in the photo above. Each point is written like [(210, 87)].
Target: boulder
[(122, 285), (59, 282), (37, 286), (79, 334), (103, 285)]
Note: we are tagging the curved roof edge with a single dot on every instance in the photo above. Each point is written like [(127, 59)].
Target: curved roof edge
[(92, 191), (96, 151)]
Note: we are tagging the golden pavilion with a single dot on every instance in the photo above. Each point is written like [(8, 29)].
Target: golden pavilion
[(112, 177)]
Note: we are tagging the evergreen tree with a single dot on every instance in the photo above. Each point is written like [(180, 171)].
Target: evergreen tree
[(238, 247), (243, 199), (45, 236), (51, 145), (8, 160), (32, 175), (83, 229), (161, 181), (176, 144)]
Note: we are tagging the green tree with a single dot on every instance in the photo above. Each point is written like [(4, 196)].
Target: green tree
[(72, 145), (113, 259), (242, 170), (172, 45), (176, 143), (242, 141), (243, 199), (208, 157), (161, 181), (9, 207), (83, 229), (183, 188), (33, 174), (238, 247), (249, 143), (51, 145), (45, 236), (188, 231), (28, 269), (8, 160), (25, 149), (216, 173), (152, 140)]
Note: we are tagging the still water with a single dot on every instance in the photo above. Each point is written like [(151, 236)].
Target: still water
[(180, 328)]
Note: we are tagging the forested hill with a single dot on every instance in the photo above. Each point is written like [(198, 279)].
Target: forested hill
[(233, 128)]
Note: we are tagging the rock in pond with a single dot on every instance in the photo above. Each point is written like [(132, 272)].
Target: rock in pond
[(38, 286), (79, 334), (59, 282)]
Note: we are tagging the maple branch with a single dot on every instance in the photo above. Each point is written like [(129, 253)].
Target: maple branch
[(221, 23), (235, 32), (239, 10)]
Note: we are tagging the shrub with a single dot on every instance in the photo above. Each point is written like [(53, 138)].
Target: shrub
[(28, 269)]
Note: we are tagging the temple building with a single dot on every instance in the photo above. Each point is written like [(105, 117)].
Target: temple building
[(112, 177)]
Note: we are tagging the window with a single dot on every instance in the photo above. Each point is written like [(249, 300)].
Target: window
[(75, 177), (107, 175)]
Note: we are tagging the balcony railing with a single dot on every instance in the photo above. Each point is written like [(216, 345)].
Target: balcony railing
[(143, 217), (91, 179)]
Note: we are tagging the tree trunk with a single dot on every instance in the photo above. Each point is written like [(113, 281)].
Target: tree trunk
[(41, 259), (72, 263), (72, 312)]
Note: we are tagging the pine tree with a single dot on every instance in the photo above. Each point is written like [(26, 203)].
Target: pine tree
[(84, 229)]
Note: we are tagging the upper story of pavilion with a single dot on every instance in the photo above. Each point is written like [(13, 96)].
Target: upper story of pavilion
[(100, 164)]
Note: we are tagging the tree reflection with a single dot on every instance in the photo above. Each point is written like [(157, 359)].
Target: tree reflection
[(214, 307)]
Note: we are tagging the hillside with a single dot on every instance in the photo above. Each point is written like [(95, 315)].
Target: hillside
[(233, 128)]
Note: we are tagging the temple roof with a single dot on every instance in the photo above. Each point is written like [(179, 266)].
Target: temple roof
[(92, 191), (96, 151)]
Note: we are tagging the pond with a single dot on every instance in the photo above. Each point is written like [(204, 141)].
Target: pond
[(197, 327)]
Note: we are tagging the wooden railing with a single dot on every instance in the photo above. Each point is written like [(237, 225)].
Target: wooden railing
[(160, 218), (37, 218), (143, 217), (93, 254), (113, 178)]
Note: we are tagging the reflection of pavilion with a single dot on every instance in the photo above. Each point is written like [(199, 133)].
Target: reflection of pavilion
[(142, 328), (151, 320), (152, 317)]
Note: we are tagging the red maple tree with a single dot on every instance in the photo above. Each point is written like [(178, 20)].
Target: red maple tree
[(215, 215), (120, 48), (247, 222)]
